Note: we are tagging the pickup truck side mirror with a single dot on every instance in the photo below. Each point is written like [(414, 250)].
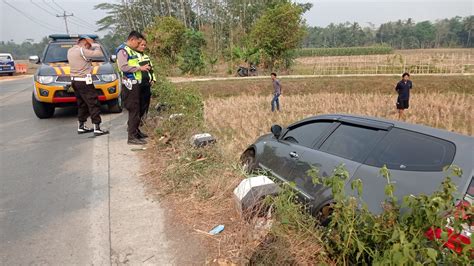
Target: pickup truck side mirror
[(34, 59), (113, 58)]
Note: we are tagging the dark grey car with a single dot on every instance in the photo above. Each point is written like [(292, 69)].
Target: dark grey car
[(415, 155)]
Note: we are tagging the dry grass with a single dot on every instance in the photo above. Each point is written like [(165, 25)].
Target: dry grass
[(238, 120)]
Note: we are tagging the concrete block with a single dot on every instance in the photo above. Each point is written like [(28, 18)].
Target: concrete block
[(250, 191), (201, 140)]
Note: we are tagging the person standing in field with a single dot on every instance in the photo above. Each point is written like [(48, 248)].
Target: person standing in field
[(276, 92), (403, 89)]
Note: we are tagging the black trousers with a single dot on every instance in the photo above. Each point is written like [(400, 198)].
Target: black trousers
[(131, 100), (87, 102), (145, 97)]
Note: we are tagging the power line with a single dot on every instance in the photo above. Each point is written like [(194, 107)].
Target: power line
[(42, 8), (81, 21), (65, 15), (58, 5), (54, 15), (30, 18), (52, 7)]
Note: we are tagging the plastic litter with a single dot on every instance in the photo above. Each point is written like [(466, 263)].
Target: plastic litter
[(217, 230)]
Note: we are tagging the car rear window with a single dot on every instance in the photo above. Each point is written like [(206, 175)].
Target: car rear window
[(306, 134), (351, 142), (410, 151), (57, 52)]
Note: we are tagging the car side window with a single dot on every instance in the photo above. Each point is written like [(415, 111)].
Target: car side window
[(411, 151), (306, 134), (351, 142)]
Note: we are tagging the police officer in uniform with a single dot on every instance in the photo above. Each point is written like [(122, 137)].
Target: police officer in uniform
[(128, 60), (80, 62), (148, 79)]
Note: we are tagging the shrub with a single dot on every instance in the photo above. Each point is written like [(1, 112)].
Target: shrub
[(356, 236)]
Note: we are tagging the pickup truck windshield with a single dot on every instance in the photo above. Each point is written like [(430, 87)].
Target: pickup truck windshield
[(57, 52)]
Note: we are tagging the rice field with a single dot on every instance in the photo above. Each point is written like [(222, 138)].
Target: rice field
[(238, 120)]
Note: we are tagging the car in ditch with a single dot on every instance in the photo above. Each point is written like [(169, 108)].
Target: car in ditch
[(416, 156), (52, 81)]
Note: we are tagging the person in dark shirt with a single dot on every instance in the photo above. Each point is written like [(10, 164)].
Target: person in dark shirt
[(403, 89), (276, 92)]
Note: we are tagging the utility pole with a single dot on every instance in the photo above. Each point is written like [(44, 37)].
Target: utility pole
[(65, 15)]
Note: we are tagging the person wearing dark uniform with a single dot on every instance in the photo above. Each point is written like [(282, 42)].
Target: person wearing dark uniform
[(80, 57), (276, 92), (403, 89), (128, 60), (148, 79)]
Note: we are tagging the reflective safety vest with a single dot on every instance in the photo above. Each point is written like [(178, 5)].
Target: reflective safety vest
[(145, 59), (133, 60)]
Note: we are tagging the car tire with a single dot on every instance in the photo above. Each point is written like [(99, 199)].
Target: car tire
[(248, 161), (325, 215), (42, 110), (115, 105), (10, 74)]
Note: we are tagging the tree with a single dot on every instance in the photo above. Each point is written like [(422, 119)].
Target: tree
[(278, 31), (192, 58), (166, 38)]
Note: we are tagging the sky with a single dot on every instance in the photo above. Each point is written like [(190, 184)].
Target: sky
[(34, 19)]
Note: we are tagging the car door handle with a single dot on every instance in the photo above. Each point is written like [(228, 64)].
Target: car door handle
[(294, 155)]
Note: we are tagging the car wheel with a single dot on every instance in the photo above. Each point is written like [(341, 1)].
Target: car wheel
[(115, 106), (42, 110), (249, 164), (325, 215), (10, 74)]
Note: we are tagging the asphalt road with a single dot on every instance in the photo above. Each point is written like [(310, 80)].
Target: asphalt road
[(71, 199)]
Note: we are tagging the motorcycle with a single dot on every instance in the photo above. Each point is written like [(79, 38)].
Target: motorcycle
[(246, 72)]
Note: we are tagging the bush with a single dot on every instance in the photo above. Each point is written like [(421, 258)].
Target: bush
[(179, 101), (192, 58), (356, 236)]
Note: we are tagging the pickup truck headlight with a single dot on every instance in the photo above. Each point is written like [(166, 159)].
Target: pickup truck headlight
[(108, 77), (46, 79)]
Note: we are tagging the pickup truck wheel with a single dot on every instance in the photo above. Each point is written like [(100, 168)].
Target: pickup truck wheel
[(42, 110), (115, 105)]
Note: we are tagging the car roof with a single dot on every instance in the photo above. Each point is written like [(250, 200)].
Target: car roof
[(386, 124), (6, 54)]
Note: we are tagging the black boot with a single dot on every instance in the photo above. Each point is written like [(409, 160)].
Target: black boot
[(136, 141), (82, 128), (98, 131), (141, 135)]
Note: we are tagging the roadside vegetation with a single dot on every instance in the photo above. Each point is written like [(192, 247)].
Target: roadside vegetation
[(199, 182)]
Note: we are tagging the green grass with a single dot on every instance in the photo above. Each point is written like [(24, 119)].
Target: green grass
[(342, 51)]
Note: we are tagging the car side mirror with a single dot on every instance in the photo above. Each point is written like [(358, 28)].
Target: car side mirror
[(276, 130), (34, 59), (113, 58)]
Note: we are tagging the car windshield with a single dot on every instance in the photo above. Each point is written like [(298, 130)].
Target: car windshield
[(57, 52), (5, 57)]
